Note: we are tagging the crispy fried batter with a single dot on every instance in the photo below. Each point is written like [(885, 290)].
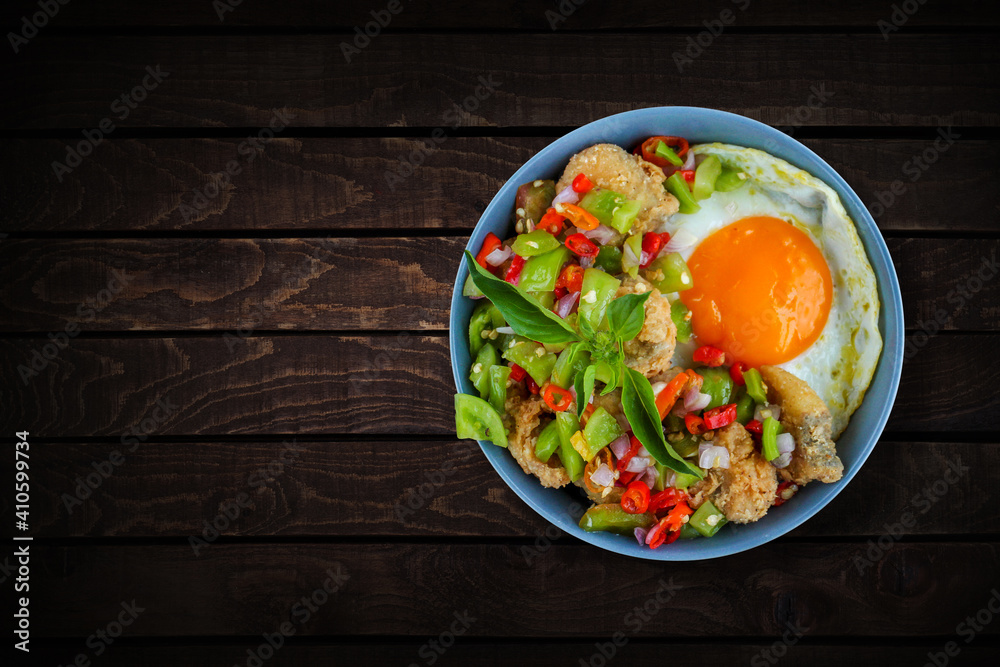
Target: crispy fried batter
[(526, 411), (651, 351), (806, 417), (746, 489), (611, 167)]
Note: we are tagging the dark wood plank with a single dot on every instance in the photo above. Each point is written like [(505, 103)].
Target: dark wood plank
[(240, 284), (465, 653), (416, 590), (517, 14), (302, 488), (368, 283), (540, 80), (340, 184), (365, 384)]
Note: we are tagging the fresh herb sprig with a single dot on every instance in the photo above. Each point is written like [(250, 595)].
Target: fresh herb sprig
[(625, 315)]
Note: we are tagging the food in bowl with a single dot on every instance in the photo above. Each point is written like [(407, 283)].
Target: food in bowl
[(681, 331)]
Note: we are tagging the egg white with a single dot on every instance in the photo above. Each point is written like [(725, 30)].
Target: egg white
[(840, 364)]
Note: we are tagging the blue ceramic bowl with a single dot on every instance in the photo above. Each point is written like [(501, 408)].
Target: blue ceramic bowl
[(561, 506)]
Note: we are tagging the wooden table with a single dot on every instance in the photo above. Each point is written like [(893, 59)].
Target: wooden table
[(242, 390)]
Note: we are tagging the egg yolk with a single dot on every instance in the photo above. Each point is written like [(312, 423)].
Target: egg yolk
[(762, 291)]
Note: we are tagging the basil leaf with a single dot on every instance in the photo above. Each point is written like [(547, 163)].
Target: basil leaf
[(626, 315), (584, 386), (585, 328), (524, 315), (639, 406)]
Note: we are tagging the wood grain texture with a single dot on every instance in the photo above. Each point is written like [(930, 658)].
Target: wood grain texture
[(363, 384), (411, 589), (229, 284), (539, 80), (400, 488), (369, 283), (468, 652), (340, 184), (514, 14)]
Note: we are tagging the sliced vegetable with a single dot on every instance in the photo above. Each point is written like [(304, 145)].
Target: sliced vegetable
[(470, 290), (666, 499), (571, 278), (485, 319), (785, 492), (571, 361), (532, 200), (755, 385), (601, 204), (581, 218), (567, 425), (769, 438), (678, 145), (480, 375), (667, 153), (736, 372), (651, 244), (670, 273), (532, 357), (717, 384), (596, 292), (600, 431), (720, 417), (709, 355), (476, 419), (729, 179), (694, 424), (678, 187), (625, 214), (705, 177), (744, 407), (687, 446), (612, 518), (580, 245), (498, 387), (582, 184), (665, 399), (707, 519), (635, 499), (632, 254), (681, 316), (639, 407), (548, 442), (552, 222), (557, 398), (541, 271), (534, 243), (513, 275), (609, 259), (491, 243)]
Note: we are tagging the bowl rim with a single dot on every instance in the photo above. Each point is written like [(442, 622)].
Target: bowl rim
[(887, 371)]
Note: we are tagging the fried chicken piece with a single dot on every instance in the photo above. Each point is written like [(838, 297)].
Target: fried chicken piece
[(806, 417), (746, 489), (651, 351), (525, 410), (611, 167)]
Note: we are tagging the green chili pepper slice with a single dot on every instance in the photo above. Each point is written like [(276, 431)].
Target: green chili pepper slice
[(707, 519), (678, 187), (477, 420), (548, 442)]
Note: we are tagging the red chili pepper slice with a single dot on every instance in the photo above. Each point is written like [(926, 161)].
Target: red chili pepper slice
[(651, 244), (666, 498), (625, 478), (532, 385), (491, 243), (736, 373), (648, 150), (556, 397), (694, 424), (719, 417), (785, 488), (635, 500), (675, 518), (710, 356), (688, 175), (514, 272), (582, 184), (755, 427), (633, 449), (516, 372), (581, 245), (552, 222), (571, 278)]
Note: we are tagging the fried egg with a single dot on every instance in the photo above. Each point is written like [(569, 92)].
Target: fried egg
[(781, 278)]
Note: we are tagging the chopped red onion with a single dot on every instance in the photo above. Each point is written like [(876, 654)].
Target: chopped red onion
[(638, 464), (640, 534), (671, 481), (786, 443), (782, 461), (643, 452), (565, 305), (695, 400), (566, 196), (714, 456), (499, 256), (644, 258), (629, 259), (602, 234), (655, 530), (505, 330), (688, 162), (619, 446), (603, 476), (680, 241), (649, 477), (586, 262)]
